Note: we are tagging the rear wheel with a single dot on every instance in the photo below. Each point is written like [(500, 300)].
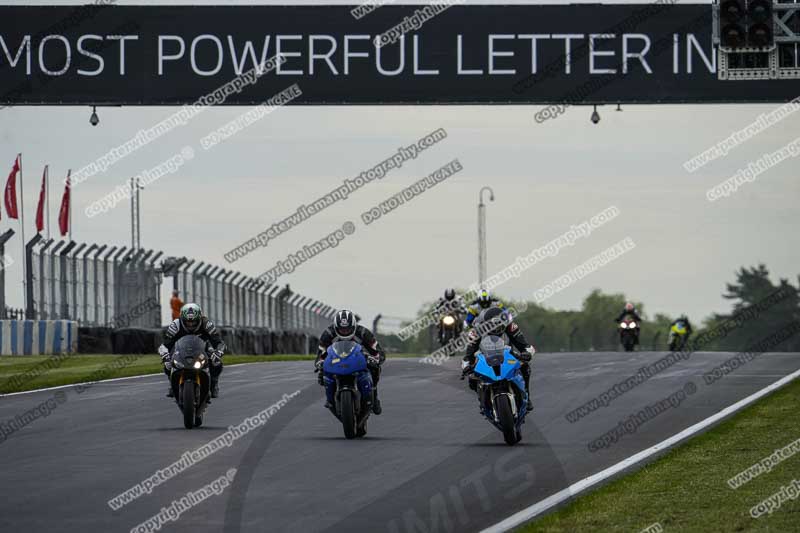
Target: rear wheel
[(506, 417), (348, 411), (188, 404)]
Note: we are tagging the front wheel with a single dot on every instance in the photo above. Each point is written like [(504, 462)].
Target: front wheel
[(628, 342), (188, 404), (348, 410), (506, 417)]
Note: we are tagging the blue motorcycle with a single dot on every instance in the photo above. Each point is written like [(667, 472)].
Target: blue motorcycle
[(500, 386), (348, 386)]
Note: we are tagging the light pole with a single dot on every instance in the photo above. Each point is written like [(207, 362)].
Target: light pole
[(136, 206), (482, 234)]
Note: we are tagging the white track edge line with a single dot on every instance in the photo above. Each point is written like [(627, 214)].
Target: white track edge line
[(576, 488), (57, 387), (145, 376)]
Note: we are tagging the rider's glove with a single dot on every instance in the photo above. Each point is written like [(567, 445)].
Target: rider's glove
[(163, 352), (318, 369), (373, 361), (466, 368), (526, 354), (216, 357)]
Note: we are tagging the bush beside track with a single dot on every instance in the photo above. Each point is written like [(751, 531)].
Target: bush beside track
[(687, 489)]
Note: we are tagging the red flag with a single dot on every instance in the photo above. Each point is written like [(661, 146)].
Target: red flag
[(11, 190), (63, 214), (40, 208)]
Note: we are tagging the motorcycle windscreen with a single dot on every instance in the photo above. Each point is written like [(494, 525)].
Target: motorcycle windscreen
[(491, 353), (344, 357), (343, 348), (188, 349)]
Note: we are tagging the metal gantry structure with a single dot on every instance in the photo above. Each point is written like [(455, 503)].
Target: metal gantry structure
[(102, 285)]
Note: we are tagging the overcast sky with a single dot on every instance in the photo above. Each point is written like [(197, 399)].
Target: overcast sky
[(546, 177)]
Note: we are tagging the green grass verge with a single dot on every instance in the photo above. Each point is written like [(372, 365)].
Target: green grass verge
[(79, 368), (687, 490)]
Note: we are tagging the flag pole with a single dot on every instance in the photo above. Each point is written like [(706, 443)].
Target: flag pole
[(47, 197), (69, 205), (22, 233)]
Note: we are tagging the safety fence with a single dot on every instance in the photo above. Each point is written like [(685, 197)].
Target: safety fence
[(115, 286)]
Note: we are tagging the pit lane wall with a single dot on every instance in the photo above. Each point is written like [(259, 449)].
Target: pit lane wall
[(38, 337)]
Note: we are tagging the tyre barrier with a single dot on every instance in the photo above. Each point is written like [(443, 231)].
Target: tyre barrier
[(38, 337)]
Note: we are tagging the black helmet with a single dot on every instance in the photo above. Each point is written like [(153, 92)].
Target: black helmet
[(494, 321), (449, 294), (344, 324), (484, 299)]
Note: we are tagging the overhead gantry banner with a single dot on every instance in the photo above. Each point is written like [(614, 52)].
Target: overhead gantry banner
[(396, 54)]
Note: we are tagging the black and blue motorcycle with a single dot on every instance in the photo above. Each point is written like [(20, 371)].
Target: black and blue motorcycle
[(348, 386), (498, 381)]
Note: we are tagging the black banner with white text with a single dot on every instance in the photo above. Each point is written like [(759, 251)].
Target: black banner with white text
[(398, 54)]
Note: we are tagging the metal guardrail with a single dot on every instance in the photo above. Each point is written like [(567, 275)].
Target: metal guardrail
[(94, 283)]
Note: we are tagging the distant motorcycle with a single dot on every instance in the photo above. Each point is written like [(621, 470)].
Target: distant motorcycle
[(500, 386), (678, 336), (348, 386), (190, 379), (449, 328), (628, 333)]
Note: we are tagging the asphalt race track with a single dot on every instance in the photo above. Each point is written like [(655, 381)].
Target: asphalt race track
[(428, 463)]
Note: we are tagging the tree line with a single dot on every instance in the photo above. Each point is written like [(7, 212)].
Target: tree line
[(592, 328)]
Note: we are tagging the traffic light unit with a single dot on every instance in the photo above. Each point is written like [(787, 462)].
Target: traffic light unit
[(757, 39)]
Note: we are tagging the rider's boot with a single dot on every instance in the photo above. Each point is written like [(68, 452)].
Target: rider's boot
[(528, 391), (376, 403)]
